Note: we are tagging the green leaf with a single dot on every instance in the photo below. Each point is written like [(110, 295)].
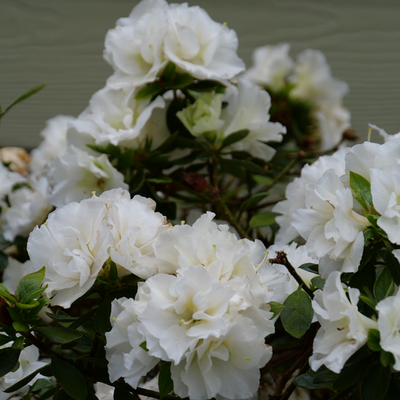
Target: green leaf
[(5, 294), (9, 358), (376, 382), (181, 81), (20, 326), (58, 334), (102, 318), (27, 94), (165, 383), (68, 376), (384, 285), (122, 394), (264, 218), (318, 282), (367, 301), (361, 189), (3, 260), (386, 358), (168, 144), (251, 201), (29, 286), (374, 339), (322, 379), (143, 345), (109, 149), (297, 316), (250, 166), (138, 180), (4, 339), (23, 382), (310, 267), (18, 343), (167, 208), (169, 72), (392, 264), (276, 308), (162, 179), (234, 137), (41, 384), (151, 89), (263, 180)]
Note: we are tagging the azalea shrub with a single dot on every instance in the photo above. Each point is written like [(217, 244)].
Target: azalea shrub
[(201, 230)]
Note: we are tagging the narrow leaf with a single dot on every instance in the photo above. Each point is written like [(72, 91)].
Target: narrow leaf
[(234, 137), (392, 264), (58, 334), (276, 307), (150, 89), (181, 81), (310, 267), (263, 180), (23, 382), (374, 338), (102, 317), (29, 93), (169, 72), (361, 189), (384, 285)]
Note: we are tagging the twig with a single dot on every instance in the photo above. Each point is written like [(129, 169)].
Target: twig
[(232, 219), (283, 172)]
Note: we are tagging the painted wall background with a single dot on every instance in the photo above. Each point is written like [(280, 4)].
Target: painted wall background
[(60, 42)]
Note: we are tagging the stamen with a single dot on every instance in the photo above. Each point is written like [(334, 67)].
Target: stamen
[(369, 134), (262, 262)]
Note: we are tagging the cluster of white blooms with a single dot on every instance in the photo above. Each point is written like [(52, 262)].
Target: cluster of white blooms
[(312, 80), (320, 208), (207, 315), (141, 45)]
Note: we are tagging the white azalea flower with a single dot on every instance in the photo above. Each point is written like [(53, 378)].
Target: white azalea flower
[(361, 158), (248, 108), (28, 363), (295, 192), (126, 358), (134, 48), (77, 174), (330, 225), (200, 46), (223, 367), (28, 207), (103, 391), (271, 66), (115, 117), (385, 189), (313, 79), (135, 226), (54, 143), (333, 120), (73, 246), (389, 325), (343, 328)]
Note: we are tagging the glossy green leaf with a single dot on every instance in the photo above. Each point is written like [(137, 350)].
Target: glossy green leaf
[(387, 358), (4, 339), (310, 267), (109, 149), (181, 81), (375, 382), (69, 377), (264, 218), (29, 286), (297, 316), (169, 72), (263, 180), (318, 282), (165, 383), (384, 285), (322, 379), (361, 189)]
